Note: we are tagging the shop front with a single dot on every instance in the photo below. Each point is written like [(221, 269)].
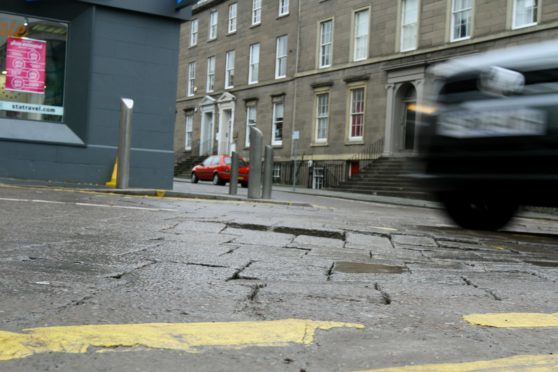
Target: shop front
[(64, 65)]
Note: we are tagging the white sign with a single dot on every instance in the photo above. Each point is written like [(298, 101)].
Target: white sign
[(296, 134), (33, 108)]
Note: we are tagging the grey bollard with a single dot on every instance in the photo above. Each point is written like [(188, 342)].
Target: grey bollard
[(268, 172), (233, 185), (255, 181), (123, 168)]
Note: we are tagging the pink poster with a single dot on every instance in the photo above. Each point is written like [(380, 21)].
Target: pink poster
[(25, 65)]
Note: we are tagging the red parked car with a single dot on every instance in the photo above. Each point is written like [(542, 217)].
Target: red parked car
[(217, 168)]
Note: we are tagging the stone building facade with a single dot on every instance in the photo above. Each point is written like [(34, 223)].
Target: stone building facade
[(337, 81)]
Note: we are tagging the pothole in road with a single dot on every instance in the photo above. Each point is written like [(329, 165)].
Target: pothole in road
[(363, 268), (290, 230)]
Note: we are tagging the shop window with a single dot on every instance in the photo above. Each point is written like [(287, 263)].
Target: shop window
[(32, 67)]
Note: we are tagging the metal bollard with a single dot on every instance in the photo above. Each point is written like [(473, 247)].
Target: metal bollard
[(233, 185), (255, 181), (268, 172), (123, 169)]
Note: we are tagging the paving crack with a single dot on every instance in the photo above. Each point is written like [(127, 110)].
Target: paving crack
[(329, 272), (255, 291), (386, 298), (490, 292), (237, 276), (230, 251), (123, 273)]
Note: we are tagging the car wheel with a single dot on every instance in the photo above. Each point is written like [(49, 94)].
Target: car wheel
[(217, 180), (478, 212), (244, 184), (194, 178)]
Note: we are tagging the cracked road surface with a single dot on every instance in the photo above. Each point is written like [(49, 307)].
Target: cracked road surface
[(415, 290)]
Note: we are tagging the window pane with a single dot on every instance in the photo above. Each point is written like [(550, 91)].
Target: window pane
[(361, 35), (357, 112), (326, 38), (33, 68), (322, 117)]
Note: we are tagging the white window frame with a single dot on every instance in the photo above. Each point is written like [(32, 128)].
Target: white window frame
[(275, 121), (194, 29), (281, 54), (254, 64), (409, 25), (276, 172), (250, 108), (318, 178), (357, 38), (283, 7), (230, 58), (353, 113), (320, 116), (213, 23), (256, 12), (210, 86), (325, 47), (188, 131), (233, 16), (535, 14), (454, 14), (191, 79)]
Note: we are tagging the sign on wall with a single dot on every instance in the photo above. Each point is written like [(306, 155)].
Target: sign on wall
[(25, 65)]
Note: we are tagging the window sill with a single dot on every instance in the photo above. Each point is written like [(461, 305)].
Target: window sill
[(277, 145), (283, 15), (460, 39), (408, 50), (354, 142), (256, 25), (231, 33), (192, 46), (211, 40), (524, 26), (319, 144)]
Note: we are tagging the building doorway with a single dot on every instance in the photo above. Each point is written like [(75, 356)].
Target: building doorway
[(207, 130), (206, 137), (225, 136), (408, 121)]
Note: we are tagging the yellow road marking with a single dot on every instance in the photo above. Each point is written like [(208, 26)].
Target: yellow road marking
[(531, 363), (180, 336), (514, 320)]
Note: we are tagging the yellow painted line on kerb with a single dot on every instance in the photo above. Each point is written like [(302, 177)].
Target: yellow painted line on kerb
[(180, 336), (514, 320), (531, 363)]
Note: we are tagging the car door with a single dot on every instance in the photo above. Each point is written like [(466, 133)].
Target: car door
[(205, 171)]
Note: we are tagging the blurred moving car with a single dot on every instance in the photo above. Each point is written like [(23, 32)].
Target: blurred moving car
[(488, 137), (217, 168)]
